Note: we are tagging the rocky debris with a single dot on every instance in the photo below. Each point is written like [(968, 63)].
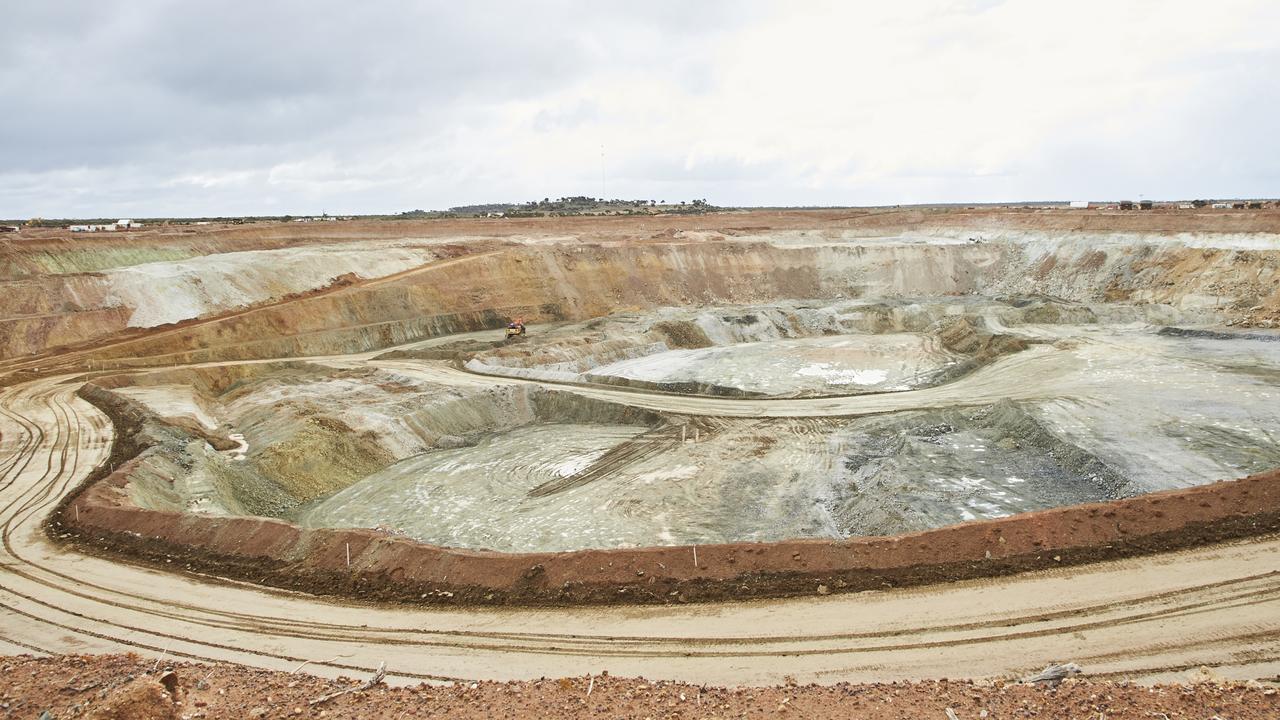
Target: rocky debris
[(1217, 334), (682, 334), (967, 451), (74, 686), (1054, 674), (169, 679), (144, 698), (378, 676)]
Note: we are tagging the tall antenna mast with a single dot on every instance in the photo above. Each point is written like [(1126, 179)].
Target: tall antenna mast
[(603, 196)]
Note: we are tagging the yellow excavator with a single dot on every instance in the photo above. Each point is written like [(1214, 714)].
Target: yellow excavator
[(515, 328)]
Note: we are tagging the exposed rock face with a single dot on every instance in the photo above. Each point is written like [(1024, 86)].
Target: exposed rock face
[(310, 431), (475, 286)]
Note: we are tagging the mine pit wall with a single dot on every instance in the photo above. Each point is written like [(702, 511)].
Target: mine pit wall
[(212, 380), (568, 283), (174, 463), (70, 254), (581, 281), (572, 356), (100, 517)]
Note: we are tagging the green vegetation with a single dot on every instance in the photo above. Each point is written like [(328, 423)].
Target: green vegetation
[(560, 207), (571, 206), (584, 205)]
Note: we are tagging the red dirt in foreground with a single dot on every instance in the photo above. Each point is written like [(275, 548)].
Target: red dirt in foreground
[(126, 687)]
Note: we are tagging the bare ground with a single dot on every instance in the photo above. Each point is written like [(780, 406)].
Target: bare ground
[(126, 687)]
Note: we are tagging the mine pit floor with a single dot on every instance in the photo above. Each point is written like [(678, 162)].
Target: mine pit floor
[(836, 365)]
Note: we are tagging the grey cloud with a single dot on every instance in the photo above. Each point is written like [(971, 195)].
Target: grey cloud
[(197, 107), (164, 83)]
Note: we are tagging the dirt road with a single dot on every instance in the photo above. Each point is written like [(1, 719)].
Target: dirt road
[(1148, 618)]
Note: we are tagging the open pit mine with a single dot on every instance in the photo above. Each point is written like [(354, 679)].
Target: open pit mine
[(879, 444)]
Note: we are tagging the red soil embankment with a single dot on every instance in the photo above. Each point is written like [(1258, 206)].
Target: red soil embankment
[(388, 567)]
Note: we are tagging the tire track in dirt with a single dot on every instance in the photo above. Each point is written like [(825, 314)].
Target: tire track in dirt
[(52, 484)]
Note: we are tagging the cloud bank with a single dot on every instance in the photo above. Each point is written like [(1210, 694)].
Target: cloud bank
[(191, 107)]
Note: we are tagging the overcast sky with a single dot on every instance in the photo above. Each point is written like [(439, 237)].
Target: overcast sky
[(188, 107)]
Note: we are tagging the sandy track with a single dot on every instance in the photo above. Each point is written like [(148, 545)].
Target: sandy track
[(1146, 618)]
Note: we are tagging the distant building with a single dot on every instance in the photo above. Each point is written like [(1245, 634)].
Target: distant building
[(1080, 204), (1146, 205), (1126, 204), (126, 224), (9, 228), (1221, 206), (1185, 206)]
